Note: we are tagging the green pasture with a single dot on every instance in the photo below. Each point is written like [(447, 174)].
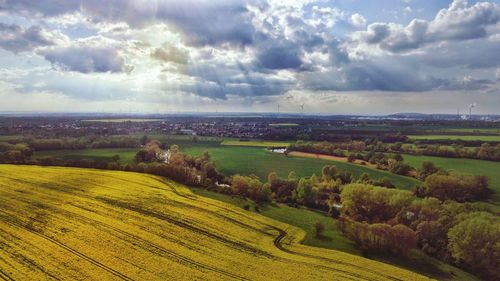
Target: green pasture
[(256, 143), (455, 137), (260, 162)]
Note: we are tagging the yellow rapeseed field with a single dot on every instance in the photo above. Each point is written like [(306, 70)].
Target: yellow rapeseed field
[(83, 224)]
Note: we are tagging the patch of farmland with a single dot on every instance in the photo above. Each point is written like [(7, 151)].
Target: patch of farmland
[(232, 160), (455, 137), (70, 223), (255, 143)]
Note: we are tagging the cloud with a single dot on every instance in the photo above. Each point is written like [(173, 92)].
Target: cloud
[(358, 20), (205, 22), (171, 53), (251, 50), (18, 39), (386, 74), (218, 81), (279, 55), (456, 23), (86, 59)]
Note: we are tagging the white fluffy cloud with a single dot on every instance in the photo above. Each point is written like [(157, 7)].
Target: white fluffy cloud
[(458, 22), (358, 20)]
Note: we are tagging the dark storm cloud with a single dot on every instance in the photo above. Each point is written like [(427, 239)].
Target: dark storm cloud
[(206, 22), (18, 39), (279, 55), (218, 81), (85, 59), (367, 76)]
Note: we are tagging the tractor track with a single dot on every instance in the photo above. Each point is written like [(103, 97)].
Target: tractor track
[(5, 276), (133, 238), (282, 234), (67, 248)]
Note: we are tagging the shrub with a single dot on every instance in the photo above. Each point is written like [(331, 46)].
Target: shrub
[(456, 186)]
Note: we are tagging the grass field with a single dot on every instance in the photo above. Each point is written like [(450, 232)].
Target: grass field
[(256, 143), (99, 154), (478, 167), (69, 223), (455, 137), (260, 162), (493, 131), (10, 137)]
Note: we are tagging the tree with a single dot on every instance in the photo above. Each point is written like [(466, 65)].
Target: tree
[(456, 186), (351, 158), (345, 177), (475, 241), (328, 172), (398, 157), (240, 185), (379, 237), (398, 167), (304, 192), (115, 158), (428, 168), (364, 178), (319, 228), (363, 202), (292, 175), (144, 140)]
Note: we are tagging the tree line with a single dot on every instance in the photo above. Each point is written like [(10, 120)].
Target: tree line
[(358, 149)]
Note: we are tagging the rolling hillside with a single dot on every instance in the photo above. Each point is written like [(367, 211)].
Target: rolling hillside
[(68, 223)]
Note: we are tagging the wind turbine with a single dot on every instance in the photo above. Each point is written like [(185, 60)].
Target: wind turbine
[(471, 106), (278, 108), (302, 109)]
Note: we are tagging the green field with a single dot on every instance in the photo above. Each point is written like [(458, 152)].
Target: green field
[(9, 137), (99, 154), (493, 131), (478, 167), (85, 224), (455, 137), (256, 143), (260, 162)]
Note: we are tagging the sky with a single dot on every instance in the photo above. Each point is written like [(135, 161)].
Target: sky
[(330, 57)]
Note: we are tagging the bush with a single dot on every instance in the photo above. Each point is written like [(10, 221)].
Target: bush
[(319, 228), (475, 241), (456, 186), (364, 202), (380, 237)]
